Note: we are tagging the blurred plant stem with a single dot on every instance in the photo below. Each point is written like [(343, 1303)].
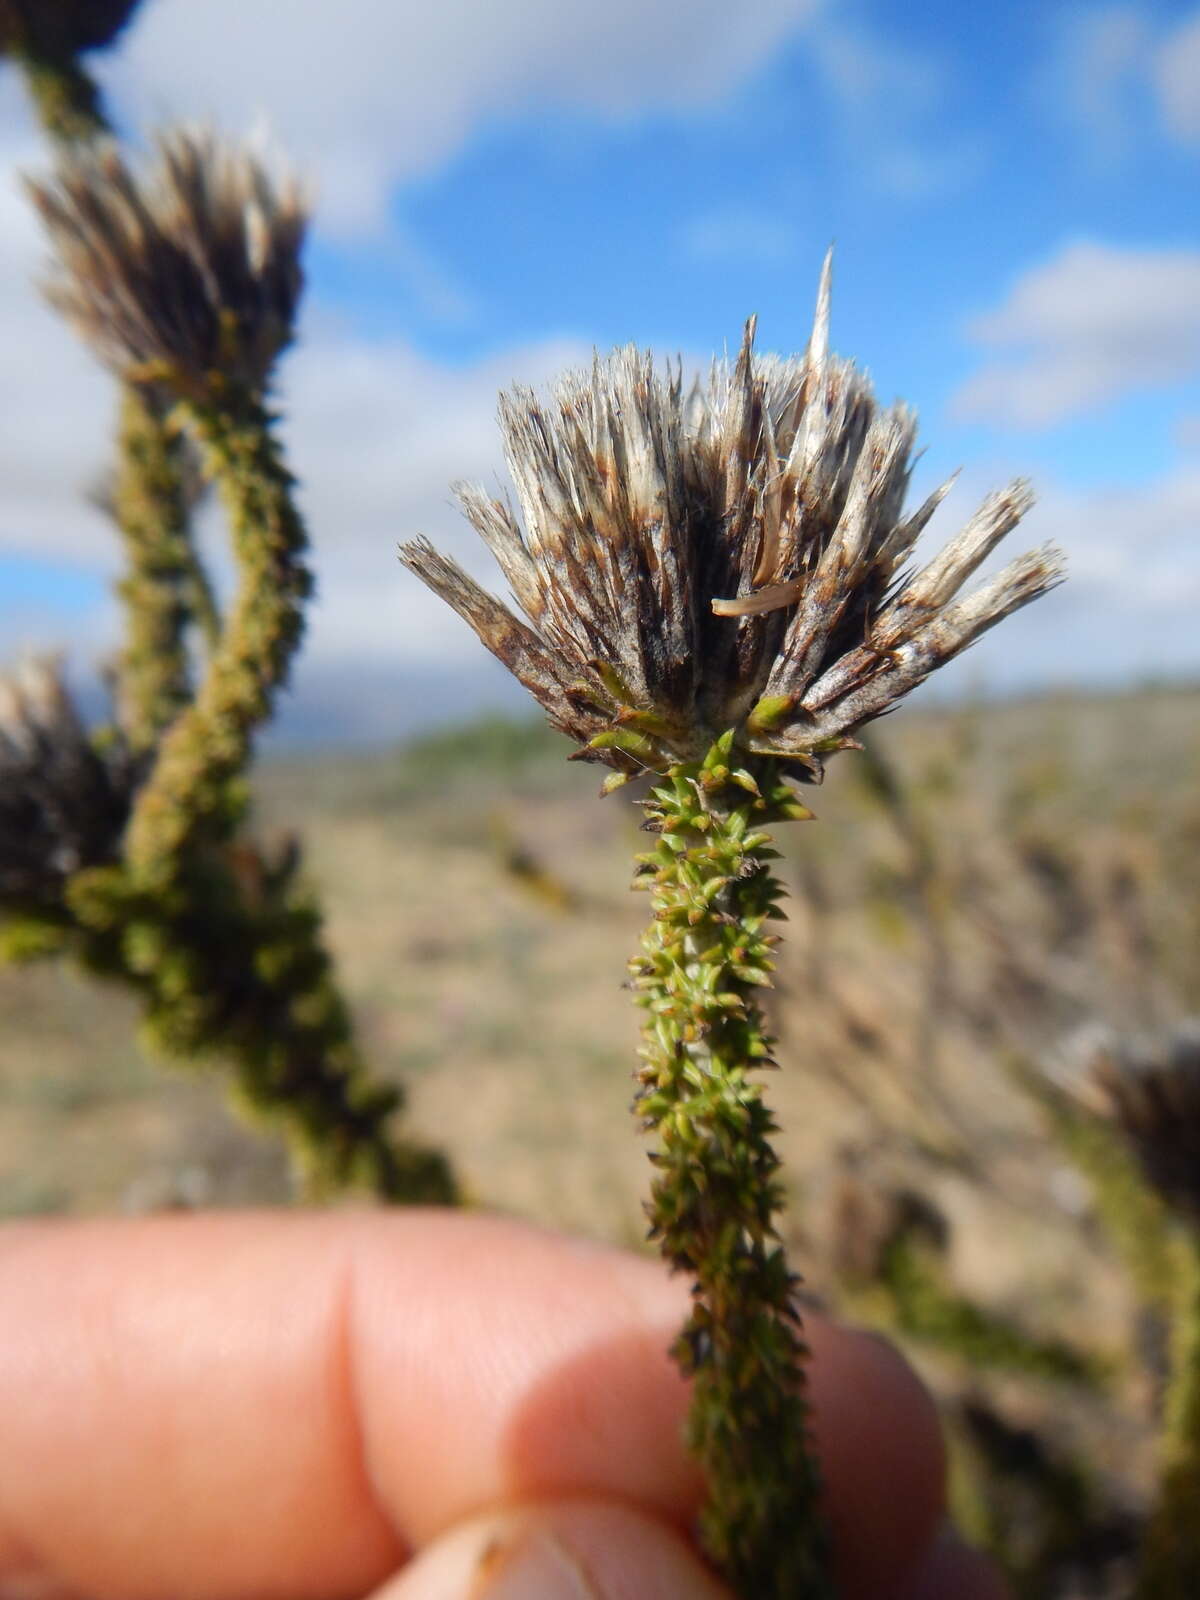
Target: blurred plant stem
[(166, 588), (188, 792), (1170, 1568), (1131, 1211), (163, 586), (717, 1194), (65, 97), (219, 937)]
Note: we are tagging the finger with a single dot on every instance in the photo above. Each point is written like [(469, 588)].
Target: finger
[(286, 1404), (571, 1550)]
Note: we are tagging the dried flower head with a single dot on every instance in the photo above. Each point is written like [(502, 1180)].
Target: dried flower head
[(61, 29), (726, 558), (63, 803), (1148, 1086), (189, 272)]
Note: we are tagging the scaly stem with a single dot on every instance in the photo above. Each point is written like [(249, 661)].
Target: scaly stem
[(188, 795), (226, 948), (166, 587), (151, 512), (1171, 1557), (716, 1195)]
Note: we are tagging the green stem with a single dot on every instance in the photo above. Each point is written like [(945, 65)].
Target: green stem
[(1130, 1209), (716, 1195), (189, 794), (1171, 1555), (67, 100), (167, 586), (153, 674)]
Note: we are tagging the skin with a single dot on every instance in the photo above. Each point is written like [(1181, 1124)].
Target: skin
[(410, 1405)]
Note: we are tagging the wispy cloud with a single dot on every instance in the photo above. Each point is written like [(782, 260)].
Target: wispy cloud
[(742, 234), (1120, 76), (1177, 78), (1094, 76), (1094, 323), (373, 94), (891, 104)]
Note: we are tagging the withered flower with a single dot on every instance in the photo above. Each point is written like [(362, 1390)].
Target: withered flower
[(61, 29), (1148, 1086), (187, 273), (63, 802), (732, 557)]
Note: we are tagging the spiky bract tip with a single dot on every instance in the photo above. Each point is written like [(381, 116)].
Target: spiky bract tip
[(726, 556), (187, 272)]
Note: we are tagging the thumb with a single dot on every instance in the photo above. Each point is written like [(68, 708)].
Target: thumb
[(563, 1550)]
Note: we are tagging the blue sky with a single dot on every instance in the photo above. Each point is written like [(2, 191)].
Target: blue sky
[(505, 184)]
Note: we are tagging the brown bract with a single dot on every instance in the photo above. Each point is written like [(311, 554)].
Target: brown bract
[(61, 29), (188, 272), (63, 803), (729, 556)]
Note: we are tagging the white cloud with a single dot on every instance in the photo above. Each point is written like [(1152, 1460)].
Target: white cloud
[(1094, 75), (1177, 79), (1116, 73), (1092, 324), (890, 104), (373, 92)]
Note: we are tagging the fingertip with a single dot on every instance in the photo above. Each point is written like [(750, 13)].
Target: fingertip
[(557, 1551), (882, 1458)]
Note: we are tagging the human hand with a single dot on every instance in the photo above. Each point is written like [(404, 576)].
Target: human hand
[(412, 1405)]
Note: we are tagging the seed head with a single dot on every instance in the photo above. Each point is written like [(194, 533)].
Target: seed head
[(726, 558), (61, 29), (63, 803), (188, 272), (1148, 1086)]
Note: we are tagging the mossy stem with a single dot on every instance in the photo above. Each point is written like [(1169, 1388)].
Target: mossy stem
[(68, 103), (166, 587), (1170, 1568), (151, 512), (188, 793), (716, 1196)]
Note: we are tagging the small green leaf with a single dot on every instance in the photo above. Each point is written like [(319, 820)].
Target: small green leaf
[(770, 713)]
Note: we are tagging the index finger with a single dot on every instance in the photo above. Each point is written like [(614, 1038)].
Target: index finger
[(287, 1404)]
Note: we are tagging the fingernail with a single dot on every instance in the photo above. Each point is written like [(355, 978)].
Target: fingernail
[(504, 1557), (536, 1564)]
